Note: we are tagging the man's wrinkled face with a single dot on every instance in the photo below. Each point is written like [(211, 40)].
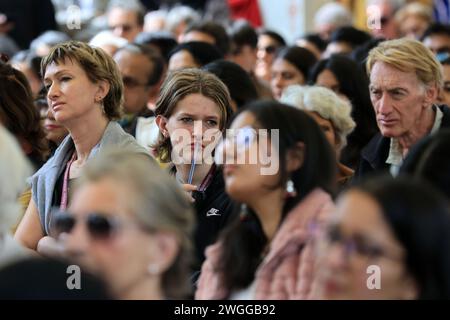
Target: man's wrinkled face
[(398, 98)]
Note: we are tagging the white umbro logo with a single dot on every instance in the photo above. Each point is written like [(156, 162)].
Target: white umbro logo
[(213, 212)]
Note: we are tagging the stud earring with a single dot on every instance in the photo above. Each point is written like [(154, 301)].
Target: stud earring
[(153, 269), (290, 189), (244, 214)]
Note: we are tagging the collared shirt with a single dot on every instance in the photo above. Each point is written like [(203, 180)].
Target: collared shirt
[(395, 157)]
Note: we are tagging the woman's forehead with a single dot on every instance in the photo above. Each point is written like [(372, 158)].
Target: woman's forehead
[(59, 65), (198, 104)]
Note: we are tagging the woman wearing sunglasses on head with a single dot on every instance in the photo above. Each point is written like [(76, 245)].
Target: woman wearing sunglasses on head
[(84, 92), (130, 223), (268, 44), (191, 112), (261, 254), (389, 239)]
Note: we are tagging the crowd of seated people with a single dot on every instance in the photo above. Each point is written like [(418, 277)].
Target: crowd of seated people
[(174, 156)]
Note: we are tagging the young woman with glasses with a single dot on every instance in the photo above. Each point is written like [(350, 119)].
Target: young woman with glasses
[(282, 200)]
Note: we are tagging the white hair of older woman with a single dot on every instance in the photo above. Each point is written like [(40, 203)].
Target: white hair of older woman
[(14, 169), (326, 104), (107, 38)]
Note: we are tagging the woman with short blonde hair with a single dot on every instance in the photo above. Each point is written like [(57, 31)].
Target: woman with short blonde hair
[(85, 93)]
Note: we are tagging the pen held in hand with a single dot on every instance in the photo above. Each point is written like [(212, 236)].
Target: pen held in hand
[(193, 162)]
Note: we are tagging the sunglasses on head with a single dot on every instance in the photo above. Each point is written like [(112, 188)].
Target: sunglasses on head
[(99, 226)]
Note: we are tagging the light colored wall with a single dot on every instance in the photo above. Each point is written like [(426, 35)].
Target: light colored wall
[(291, 18)]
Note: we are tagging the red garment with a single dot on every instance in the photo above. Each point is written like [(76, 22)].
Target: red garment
[(246, 9)]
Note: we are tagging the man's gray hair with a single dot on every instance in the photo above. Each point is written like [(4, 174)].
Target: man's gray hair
[(335, 14), (395, 4), (180, 14)]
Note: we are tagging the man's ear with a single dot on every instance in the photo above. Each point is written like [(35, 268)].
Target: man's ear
[(431, 95), (295, 157), (161, 121)]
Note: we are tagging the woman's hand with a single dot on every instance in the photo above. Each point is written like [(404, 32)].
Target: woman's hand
[(51, 247), (189, 188)]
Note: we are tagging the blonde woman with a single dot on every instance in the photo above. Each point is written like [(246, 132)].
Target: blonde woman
[(84, 93)]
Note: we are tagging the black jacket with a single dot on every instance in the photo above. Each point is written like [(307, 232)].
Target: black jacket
[(375, 153), (214, 210)]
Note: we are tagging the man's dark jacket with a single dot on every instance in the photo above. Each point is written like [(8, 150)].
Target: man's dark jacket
[(375, 153)]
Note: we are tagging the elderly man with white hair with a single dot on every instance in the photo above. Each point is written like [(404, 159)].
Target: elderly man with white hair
[(14, 169), (405, 79)]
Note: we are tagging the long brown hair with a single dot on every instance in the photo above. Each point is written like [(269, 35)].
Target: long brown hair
[(184, 82), (18, 113)]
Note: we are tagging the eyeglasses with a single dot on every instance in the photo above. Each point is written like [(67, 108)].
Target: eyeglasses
[(356, 245), (446, 87), (442, 55), (99, 226), (132, 83), (239, 139)]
